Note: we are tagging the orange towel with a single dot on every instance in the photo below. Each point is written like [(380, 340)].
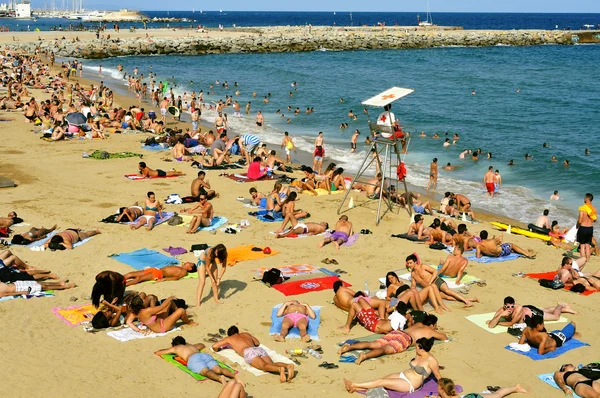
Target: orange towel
[(244, 253)]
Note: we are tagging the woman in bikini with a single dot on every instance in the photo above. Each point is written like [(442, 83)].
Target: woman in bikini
[(152, 208), (287, 206), (66, 239), (114, 314), (130, 214), (396, 289), (273, 199), (34, 234), (421, 367), (157, 319), (207, 265), (447, 389), (571, 380)]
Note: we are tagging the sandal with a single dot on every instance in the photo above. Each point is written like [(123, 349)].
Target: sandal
[(222, 331), (327, 365), (519, 274), (217, 335), (211, 340), (348, 359), (293, 359), (333, 261), (326, 261), (493, 389), (481, 283)]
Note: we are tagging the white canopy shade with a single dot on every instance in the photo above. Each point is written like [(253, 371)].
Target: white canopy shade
[(388, 96)]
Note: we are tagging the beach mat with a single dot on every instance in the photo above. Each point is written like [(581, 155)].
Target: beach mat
[(429, 388), (128, 334), (182, 365), (351, 239), (217, 222), (294, 333), (76, 315), (166, 217), (245, 253), (487, 260), (533, 353), (243, 177), (40, 242), (234, 357), (155, 148), (144, 258), (548, 378), (479, 320), (307, 286), (550, 275), (323, 191), (48, 293), (290, 270), (373, 337), (137, 177), (297, 236)]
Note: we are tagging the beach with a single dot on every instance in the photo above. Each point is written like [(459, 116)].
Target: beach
[(56, 185)]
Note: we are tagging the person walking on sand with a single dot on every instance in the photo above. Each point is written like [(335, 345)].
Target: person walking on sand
[(288, 145), (585, 229), (353, 141), (488, 181), (433, 175)]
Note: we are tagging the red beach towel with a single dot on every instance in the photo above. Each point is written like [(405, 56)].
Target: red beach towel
[(308, 285), (551, 275)]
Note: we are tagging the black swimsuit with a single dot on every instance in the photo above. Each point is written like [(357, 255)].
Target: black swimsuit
[(586, 382)]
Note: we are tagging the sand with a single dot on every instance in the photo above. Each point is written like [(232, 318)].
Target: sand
[(44, 356)]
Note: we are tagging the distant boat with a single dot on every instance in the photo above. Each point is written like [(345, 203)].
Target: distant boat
[(334, 13), (220, 11), (428, 21)]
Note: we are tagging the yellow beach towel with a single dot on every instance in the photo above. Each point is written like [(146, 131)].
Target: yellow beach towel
[(590, 211)]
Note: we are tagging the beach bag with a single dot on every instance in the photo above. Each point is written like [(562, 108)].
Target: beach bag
[(552, 284), (175, 220), (272, 277), (200, 246), (437, 246), (591, 371)]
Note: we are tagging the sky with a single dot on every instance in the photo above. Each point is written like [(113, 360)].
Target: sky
[(558, 6)]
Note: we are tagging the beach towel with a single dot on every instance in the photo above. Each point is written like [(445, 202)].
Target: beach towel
[(166, 216), (323, 191), (308, 285), (548, 378), (144, 258), (550, 275), (372, 338), (217, 222), (76, 315), (245, 253), (533, 353), (486, 259), (128, 334), (243, 177), (430, 387), (479, 320), (290, 270), (182, 365), (451, 282), (296, 236), (234, 357), (351, 239), (294, 333), (39, 243), (81, 242), (48, 293), (175, 251), (155, 148), (137, 177)]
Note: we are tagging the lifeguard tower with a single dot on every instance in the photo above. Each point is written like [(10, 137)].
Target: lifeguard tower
[(385, 136)]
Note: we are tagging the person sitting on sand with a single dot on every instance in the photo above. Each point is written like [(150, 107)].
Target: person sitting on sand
[(309, 228), (207, 265), (18, 288), (295, 315), (156, 318), (152, 208), (130, 213), (570, 274), (438, 235), (308, 183), (447, 389), (343, 230), (203, 214), (109, 284), (198, 362), (168, 273), (396, 341), (66, 239), (33, 235), (179, 151), (403, 293), (463, 205), (512, 313), (422, 207), (455, 265), (200, 186), (575, 380), (421, 367), (257, 198), (495, 248), (425, 275), (288, 206), (417, 228), (535, 335), (256, 169), (247, 346), (371, 187), (273, 201), (10, 220), (147, 172)]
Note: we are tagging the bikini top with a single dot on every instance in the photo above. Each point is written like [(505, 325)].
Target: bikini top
[(567, 374), (420, 370), (151, 208)]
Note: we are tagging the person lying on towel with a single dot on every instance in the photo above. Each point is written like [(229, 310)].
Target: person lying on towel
[(168, 273), (295, 315), (536, 336)]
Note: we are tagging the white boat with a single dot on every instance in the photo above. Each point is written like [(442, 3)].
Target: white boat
[(428, 21)]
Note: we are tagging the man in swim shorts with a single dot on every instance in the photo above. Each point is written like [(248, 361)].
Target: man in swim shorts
[(164, 104), (363, 308), (463, 204), (511, 313), (168, 273), (18, 288), (248, 347), (585, 224), (147, 172), (495, 248), (198, 362), (536, 336), (343, 230), (488, 181), (295, 315), (298, 228), (422, 207)]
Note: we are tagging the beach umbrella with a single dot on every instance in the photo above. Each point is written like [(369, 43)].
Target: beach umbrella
[(76, 118)]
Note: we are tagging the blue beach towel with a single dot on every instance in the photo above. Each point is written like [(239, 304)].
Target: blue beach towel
[(260, 215), (217, 222), (568, 346), (166, 216), (486, 259), (144, 258), (41, 242), (294, 333), (155, 148), (548, 378)]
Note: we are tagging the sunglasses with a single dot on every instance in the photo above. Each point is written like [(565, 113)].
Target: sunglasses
[(202, 198), (509, 306)]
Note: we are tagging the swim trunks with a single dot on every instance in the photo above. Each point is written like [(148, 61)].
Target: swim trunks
[(352, 145), (259, 124), (506, 250), (534, 310), (179, 159), (564, 335), (30, 287), (263, 203), (303, 226), (254, 352), (398, 340), (490, 187), (163, 111), (368, 318), (339, 235), (200, 361), (161, 173), (439, 282), (419, 209), (156, 273), (584, 235)]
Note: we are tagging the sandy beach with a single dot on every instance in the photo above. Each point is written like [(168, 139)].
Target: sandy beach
[(56, 185)]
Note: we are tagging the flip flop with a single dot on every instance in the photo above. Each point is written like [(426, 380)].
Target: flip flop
[(493, 389), (333, 261), (216, 335), (326, 261), (327, 365), (211, 340), (347, 359), (222, 331), (297, 362), (481, 284)]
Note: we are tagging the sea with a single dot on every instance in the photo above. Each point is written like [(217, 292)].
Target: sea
[(507, 101)]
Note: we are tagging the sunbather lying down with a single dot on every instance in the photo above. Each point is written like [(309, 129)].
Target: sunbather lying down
[(295, 315), (168, 273), (19, 288), (34, 234)]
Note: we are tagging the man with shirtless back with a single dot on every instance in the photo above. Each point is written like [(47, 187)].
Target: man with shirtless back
[(343, 230), (147, 172), (295, 315), (247, 346), (364, 309), (488, 181), (465, 239), (495, 248), (463, 204), (585, 233), (9, 220), (536, 336), (201, 186), (309, 228), (455, 264), (179, 151), (438, 235), (511, 313), (198, 362), (417, 228)]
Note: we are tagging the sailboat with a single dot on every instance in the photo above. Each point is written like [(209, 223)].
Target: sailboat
[(428, 21)]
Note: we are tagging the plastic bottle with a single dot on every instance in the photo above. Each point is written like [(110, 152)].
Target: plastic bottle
[(295, 351), (313, 353), (366, 290)]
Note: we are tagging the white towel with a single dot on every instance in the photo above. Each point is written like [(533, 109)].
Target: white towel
[(520, 347), (129, 334), (234, 357)]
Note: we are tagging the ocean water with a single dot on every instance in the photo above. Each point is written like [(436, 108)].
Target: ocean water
[(557, 104), (340, 18)]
